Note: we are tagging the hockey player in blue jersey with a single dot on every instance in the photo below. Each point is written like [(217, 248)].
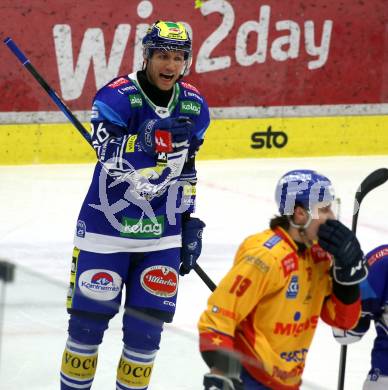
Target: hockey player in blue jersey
[(374, 294), (135, 227)]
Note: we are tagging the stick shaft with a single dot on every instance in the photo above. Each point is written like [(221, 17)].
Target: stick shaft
[(205, 278), (373, 180), (53, 95)]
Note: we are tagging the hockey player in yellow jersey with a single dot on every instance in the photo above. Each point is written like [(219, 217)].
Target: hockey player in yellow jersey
[(260, 321)]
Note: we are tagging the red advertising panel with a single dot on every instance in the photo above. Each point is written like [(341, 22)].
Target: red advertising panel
[(246, 52)]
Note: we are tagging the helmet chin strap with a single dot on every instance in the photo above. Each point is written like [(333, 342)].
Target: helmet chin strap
[(302, 228)]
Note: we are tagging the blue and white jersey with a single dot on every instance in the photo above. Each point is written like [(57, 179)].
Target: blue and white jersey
[(135, 201), (374, 295)]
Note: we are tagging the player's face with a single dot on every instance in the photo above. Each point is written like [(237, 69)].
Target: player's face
[(320, 216), (164, 68)]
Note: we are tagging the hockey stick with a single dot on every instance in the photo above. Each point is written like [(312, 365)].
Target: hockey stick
[(53, 95), (78, 125), (373, 180), (205, 278)]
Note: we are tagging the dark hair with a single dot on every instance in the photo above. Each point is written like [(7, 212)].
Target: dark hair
[(282, 220), (279, 221)]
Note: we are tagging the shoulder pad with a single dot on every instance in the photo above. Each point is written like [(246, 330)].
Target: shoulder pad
[(262, 265), (377, 254), (189, 86), (272, 241), (191, 95), (265, 240), (256, 249), (190, 92), (123, 86), (271, 248), (118, 82)]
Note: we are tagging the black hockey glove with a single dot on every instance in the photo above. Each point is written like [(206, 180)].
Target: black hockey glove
[(219, 382), (165, 135), (191, 244), (349, 263)]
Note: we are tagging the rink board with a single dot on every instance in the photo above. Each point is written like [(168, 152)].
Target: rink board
[(225, 139)]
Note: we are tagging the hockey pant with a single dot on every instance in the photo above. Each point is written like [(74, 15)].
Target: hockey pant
[(95, 294), (251, 383)]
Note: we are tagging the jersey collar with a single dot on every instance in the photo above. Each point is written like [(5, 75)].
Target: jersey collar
[(160, 111), (286, 237)]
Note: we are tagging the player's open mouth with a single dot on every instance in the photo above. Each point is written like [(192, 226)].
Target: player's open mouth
[(166, 76)]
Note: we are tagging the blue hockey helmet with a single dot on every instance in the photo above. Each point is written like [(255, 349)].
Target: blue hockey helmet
[(170, 36), (304, 187)]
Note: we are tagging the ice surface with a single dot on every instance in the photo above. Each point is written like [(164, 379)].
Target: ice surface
[(39, 208)]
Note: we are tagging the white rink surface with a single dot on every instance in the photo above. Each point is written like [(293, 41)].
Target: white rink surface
[(39, 208)]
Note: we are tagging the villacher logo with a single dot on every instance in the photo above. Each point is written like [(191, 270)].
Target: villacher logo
[(268, 139), (160, 280)]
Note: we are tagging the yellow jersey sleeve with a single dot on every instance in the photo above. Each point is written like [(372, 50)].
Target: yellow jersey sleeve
[(255, 273)]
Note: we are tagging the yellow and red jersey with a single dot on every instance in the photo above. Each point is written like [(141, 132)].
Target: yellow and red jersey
[(268, 305)]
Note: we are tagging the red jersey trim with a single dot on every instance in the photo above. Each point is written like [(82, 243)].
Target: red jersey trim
[(253, 364), (345, 317), (212, 340), (284, 235)]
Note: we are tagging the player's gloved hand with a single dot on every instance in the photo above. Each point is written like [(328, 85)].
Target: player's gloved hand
[(191, 244), (219, 382), (165, 135), (349, 262)]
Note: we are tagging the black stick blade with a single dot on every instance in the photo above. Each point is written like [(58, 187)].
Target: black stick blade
[(373, 180)]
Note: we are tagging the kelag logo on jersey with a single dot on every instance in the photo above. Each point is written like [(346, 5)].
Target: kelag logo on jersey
[(190, 107), (135, 100), (100, 284), (293, 288), (143, 228)]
